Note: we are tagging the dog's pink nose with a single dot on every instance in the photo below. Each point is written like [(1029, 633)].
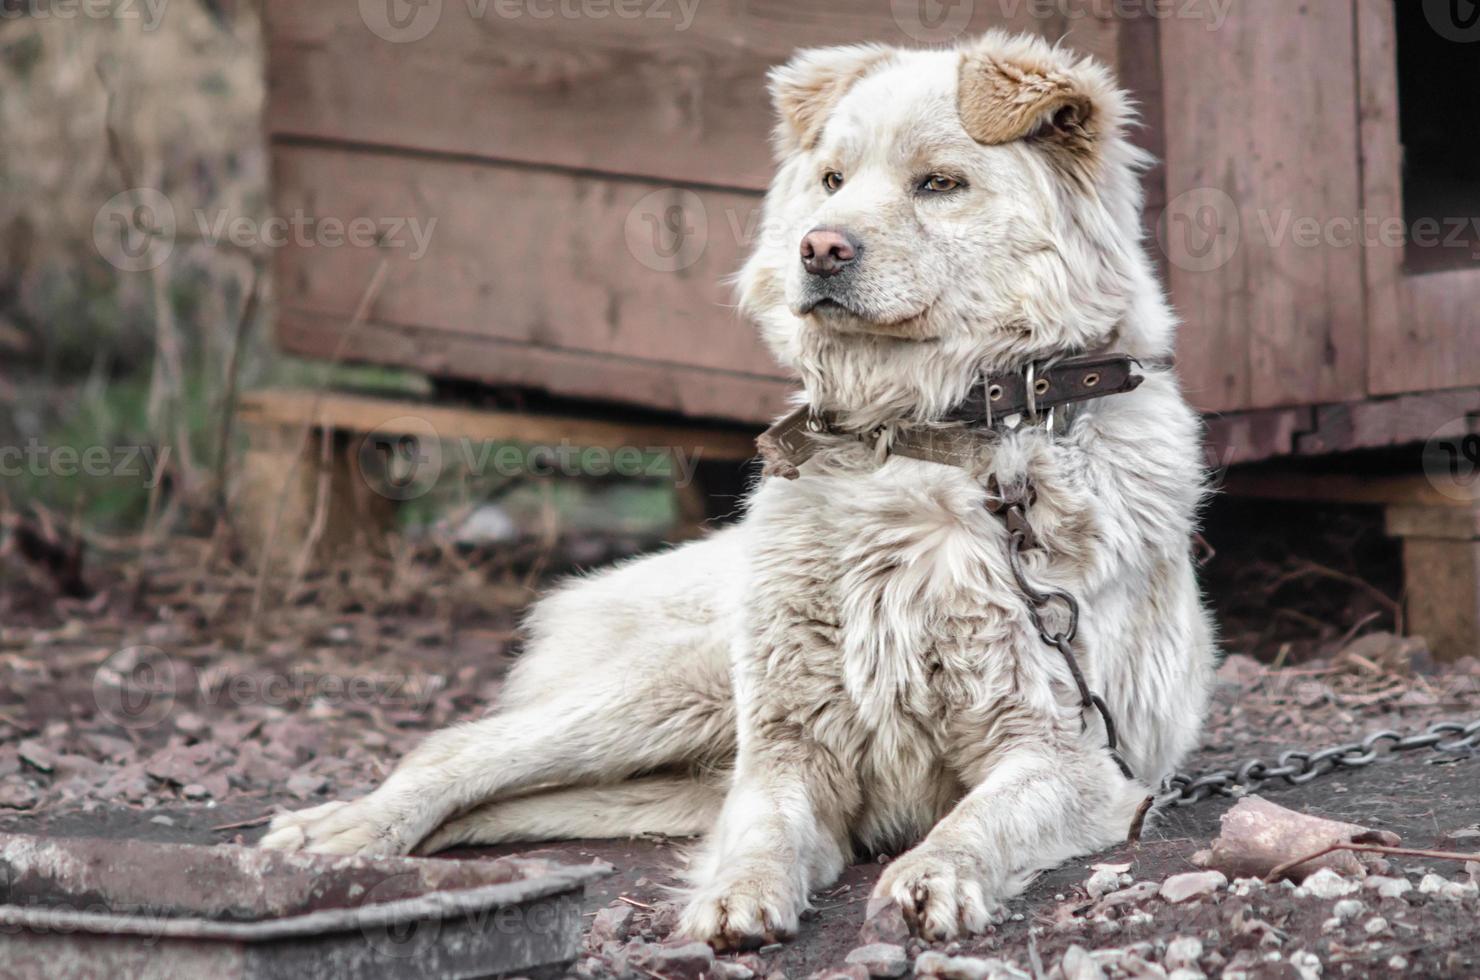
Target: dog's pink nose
[(825, 251)]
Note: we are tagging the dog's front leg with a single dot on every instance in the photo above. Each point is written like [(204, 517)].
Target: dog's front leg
[(780, 836), (1038, 805)]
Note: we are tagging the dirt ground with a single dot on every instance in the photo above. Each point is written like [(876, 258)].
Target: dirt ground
[(184, 701)]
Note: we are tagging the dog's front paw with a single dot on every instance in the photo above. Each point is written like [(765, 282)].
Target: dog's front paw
[(943, 895), (746, 908), (372, 826)]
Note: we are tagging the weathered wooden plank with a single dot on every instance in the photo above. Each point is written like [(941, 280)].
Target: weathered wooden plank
[(1424, 331), (1261, 152), (690, 391), (671, 89), (558, 262), (362, 414)]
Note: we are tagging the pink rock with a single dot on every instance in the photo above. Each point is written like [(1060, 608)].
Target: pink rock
[(1192, 884)]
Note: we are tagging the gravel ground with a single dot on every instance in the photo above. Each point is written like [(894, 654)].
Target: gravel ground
[(165, 708)]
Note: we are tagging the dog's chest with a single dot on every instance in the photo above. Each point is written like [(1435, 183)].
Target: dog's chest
[(877, 607)]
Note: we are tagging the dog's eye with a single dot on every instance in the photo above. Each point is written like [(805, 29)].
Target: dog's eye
[(939, 184), (832, 180)]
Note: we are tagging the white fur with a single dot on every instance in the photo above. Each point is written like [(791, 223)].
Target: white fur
[(851, 668)]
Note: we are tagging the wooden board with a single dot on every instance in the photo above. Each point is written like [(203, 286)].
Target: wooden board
[(1425, 329), (657, 94), (343, 412), (524, 264), (1262, 112)]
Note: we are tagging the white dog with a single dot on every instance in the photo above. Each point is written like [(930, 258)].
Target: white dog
[(854, 668)]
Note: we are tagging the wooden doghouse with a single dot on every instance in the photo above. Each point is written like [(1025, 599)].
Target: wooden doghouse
[(594, 168)]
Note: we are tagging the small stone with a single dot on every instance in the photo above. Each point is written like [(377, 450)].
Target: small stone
[(933, 964), (1331, 925), (1397, 963), (665, 919), (1184, 951), (730, 970), (1142, 969), (851, 972), (612, 923), (1388, 887), (1192, 884), (304, 784), (1431, 884), (1079, 965), (880, 959), (195, 791), (1326, 883), (1135, 894), (1308, 963), (1347, 908), (17, 794), (884, 923), (1454, 891), (1139, 917), (1186, 974), (1376, 926), (691, 961), (1244, 887), (162, 821), (1102, 882)]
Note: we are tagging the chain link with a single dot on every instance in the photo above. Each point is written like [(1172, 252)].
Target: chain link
[(1296, 767)]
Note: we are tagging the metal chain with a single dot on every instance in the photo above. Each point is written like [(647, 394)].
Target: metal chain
[(1038, 600), (1296, 767)]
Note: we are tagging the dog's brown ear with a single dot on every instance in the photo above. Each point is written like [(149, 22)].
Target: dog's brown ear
[(806, 88), (1012, 92)]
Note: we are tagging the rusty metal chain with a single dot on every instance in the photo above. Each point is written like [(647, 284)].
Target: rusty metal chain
[(1019, 537), (1296, 767)]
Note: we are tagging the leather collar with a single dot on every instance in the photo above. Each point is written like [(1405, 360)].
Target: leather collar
[(995, 402)]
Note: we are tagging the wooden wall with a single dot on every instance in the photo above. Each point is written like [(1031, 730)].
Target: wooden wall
[(594, 180)]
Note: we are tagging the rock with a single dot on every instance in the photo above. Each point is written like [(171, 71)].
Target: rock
[(1079, 965), (665, 919), (1308, 963), (1458, 892), (1191, 884), (1135, 894), (1143, 969), (1347, 908), (195, 791), (1244, 887), (851, 972), (731, 970), (1431, 883), (612, 923), (1388, 887), (37, 755), (1397, 964), (689, 960), (304, 784), (1376, 926), (17, 794), (1102, 882), (1183, 952), (884, 924), (1258, 836), (933, 964), (1186, 974), (1326, 883), (880, 959)]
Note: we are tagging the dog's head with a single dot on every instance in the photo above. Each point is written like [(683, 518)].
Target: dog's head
[(939, 212)]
